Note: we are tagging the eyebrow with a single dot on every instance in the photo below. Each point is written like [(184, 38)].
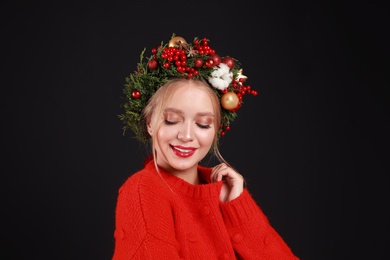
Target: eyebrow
[(178, 111)]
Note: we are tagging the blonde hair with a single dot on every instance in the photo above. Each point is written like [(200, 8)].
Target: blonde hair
[(152, 113)]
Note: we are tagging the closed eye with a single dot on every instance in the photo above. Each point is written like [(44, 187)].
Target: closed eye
[(203, 126), (167, 122)]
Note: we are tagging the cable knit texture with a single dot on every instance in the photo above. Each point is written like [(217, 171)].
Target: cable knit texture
[(160, 216)]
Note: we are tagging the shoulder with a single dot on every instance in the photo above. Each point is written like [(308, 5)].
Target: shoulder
[(145, 199), (146, 187)]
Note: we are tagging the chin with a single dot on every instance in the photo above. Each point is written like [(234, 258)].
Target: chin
[(183, 165)]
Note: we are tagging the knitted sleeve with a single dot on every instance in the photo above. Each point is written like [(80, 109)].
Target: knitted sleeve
[(144, 223), (250, 232)]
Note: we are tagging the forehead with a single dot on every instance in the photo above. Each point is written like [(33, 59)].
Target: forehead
[(190, 95)]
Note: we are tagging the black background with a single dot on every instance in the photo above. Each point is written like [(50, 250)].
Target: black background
[(313, 145)]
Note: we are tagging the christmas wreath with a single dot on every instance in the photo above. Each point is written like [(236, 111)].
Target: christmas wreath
[(177, 58)]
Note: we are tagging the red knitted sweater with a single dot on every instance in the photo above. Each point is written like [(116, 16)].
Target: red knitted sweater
[(164, 217)]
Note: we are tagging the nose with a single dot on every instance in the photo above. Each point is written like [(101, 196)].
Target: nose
[(186, 132)]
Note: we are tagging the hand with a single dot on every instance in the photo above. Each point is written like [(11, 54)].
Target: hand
[(233, 182)]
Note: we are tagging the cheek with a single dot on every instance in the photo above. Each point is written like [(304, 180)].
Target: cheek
[(167, 132), (205, 138)]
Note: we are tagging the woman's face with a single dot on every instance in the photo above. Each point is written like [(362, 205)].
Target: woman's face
[(187, 130)]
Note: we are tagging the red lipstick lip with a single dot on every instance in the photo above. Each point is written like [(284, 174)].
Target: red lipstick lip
[(182, 151)]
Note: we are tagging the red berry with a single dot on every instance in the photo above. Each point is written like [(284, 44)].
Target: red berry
[(153, 64)]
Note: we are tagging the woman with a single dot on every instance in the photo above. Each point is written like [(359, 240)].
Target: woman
[(175, 208)]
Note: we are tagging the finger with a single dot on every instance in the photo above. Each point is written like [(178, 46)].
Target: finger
[(214, 176), (216, 171), (218, 175)]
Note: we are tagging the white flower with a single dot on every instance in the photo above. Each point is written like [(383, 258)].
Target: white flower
[(221, 76)]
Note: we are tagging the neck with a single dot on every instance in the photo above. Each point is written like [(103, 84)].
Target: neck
[(191, 175), (190, 178)]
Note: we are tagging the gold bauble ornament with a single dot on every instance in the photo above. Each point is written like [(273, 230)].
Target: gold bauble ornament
[(177, 42), (229, 100)]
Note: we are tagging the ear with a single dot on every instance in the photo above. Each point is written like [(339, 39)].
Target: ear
[(149, 127)]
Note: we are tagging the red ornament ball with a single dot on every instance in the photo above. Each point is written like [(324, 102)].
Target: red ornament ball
[(216, 58), (209, 63), (198, 63), (136, 94), (228, 61)]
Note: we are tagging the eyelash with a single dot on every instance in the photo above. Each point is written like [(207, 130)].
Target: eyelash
[(169, 122), (204, 126), (200, 125)]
